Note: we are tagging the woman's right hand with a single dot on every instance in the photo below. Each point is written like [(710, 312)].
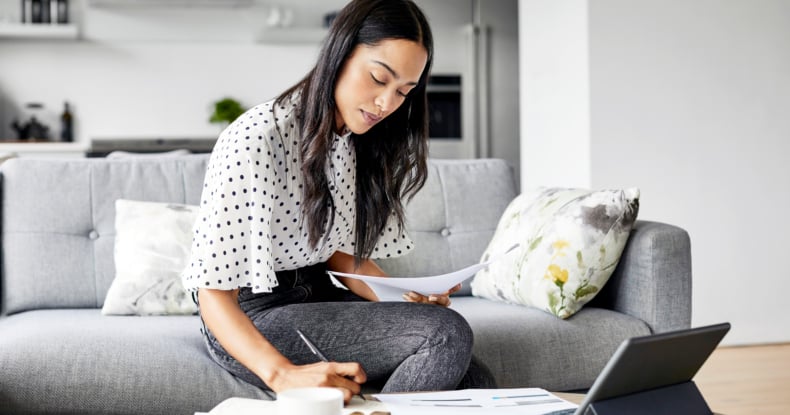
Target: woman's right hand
[(346, 376), (242, 340)]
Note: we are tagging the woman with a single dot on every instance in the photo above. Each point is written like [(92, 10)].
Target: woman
[(315, 181)]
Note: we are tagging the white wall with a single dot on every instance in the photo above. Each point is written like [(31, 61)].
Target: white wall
[(555, 116), (689, 100)]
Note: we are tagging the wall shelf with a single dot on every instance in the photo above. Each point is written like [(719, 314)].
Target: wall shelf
[(42, 31), (13, 146)]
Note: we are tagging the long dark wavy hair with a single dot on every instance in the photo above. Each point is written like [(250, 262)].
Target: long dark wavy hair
[(391, 156)]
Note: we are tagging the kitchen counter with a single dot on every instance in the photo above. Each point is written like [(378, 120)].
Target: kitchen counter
[(42, 147), (100, 147)]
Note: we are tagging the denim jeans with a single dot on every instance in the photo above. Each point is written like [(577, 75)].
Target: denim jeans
[(401, 346)]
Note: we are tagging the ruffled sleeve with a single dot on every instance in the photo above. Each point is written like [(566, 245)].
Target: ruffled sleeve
[(232, 241)]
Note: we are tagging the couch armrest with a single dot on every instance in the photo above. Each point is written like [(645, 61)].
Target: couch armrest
[(652, 281)]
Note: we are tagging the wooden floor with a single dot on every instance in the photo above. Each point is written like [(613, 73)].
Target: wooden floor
[(753, 380)]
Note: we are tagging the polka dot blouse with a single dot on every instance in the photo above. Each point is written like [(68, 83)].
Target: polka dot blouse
[(250, 223)]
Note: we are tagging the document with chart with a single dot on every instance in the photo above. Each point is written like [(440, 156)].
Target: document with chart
[(523, 401)]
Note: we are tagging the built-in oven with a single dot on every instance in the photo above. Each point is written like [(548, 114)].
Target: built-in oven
[(451, 117), (444, 107)]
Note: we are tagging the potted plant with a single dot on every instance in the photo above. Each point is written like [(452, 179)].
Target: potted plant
[(226, 111)]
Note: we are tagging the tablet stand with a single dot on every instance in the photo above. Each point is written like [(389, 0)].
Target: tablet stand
[(682, 398)]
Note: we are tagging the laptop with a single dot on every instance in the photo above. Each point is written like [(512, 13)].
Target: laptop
[(654, 370)]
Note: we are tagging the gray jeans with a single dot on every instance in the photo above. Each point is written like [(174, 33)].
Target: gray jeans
[(401, 346)]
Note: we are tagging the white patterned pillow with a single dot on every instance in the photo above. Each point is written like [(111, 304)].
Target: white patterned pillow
[(152, 243), (570, 241)]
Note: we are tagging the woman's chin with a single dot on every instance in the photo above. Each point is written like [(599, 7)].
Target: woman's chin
[(359, 130)]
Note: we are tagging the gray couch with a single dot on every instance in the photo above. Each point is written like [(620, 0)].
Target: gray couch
[(58, 354)]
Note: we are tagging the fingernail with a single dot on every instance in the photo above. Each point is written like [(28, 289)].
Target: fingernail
[(432, 298)]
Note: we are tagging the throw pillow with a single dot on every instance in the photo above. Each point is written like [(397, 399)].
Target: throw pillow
[(570, 241), (152, 244)]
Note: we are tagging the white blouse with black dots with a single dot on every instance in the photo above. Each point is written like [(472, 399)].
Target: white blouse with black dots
[(250, 223)]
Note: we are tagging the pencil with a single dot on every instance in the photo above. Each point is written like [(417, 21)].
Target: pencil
[(316, 351)]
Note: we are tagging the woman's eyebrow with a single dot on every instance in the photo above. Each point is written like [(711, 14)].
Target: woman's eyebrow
[(392, 71)]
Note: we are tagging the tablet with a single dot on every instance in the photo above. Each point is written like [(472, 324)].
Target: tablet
[(652, 362)]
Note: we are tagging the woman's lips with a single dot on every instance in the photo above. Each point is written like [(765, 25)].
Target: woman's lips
[(370, 119)]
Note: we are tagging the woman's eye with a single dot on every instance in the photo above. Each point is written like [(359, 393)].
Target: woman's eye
[(376, 80), (404, 95)]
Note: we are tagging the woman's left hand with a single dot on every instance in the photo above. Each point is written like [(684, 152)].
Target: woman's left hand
[(438, 299)]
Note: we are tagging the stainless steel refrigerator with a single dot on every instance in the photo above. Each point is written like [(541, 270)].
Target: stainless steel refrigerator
[(476, 53)]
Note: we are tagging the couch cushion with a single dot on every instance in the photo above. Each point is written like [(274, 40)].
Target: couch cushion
[(148, 365), (526, 347)]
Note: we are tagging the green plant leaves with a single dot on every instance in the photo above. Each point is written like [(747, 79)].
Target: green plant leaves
[(226, 110)]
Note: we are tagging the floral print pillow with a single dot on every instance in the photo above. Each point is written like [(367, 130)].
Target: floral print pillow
[(570, 241)]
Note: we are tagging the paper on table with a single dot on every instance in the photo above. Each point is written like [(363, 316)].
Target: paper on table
[(523, 401), (392, 288), (242, 406)]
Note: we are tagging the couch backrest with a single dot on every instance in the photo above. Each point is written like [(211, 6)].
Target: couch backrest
[(58, 220), (453, 217)]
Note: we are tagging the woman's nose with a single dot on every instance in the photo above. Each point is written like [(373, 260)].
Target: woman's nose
[(385, 102)]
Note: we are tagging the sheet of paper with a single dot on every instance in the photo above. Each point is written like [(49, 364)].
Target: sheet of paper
[(392, 288), (523, 401), (236, 406)]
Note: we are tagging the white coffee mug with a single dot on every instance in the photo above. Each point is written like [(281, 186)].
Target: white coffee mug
[(310, 401)]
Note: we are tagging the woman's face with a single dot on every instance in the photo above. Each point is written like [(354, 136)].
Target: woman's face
[(374, 82)]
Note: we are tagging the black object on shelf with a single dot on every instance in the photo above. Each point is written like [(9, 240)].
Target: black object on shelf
[(46, 10), (33, 129), (66, 124), (36, 11), (62, 11)]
